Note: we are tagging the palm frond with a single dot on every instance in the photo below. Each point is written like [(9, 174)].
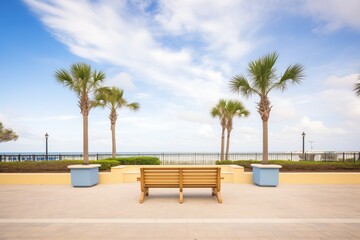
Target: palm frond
[(263, 72), (246, 113), (219, 109), (215, 112), (240, 84), (7, 134), (357, 87), (236, 108), (80, 71), (101, 97), (293, 74), (64, 77), (134, 106), (113, 99), (233, 108), (98, 76)]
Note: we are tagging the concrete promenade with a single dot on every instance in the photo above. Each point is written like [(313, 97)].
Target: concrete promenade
[(112, 211)]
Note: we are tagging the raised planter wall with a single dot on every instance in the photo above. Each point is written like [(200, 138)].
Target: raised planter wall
[(231, 174)]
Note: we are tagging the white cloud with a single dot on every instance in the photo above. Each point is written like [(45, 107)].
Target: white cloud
[(284, 109), (353, 110), (48, 118), (334, 14), (142, 95), (104, 31), (315, 127), (4, 119), (193, 117), (340, 98), (347, 81), (122, 80), (225, 26), (205, 130)]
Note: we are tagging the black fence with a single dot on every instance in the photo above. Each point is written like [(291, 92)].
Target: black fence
[(193, 158)]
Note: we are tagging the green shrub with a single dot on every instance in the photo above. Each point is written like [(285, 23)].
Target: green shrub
[(301, 166), (50, 166), (245, 164), (224, 162), (106, 164), (62, 165), (141, 160)]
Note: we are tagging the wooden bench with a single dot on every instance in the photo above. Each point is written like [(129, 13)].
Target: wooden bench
[(183, 177)]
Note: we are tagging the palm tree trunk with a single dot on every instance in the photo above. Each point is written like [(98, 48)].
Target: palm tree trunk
[(227, 145), (113, 140), (265, 142), (85, 140), (222, 144)]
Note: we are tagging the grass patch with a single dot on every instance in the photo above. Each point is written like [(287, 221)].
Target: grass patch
[(301, 166)]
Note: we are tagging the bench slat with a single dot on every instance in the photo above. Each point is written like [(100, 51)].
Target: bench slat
[(162, 176), (201, 177), (200, 174), (163, 182)]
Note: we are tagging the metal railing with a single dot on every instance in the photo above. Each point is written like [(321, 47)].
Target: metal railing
[(192, 158)]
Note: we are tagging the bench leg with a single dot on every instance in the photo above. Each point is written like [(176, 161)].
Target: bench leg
[(142, 197), (147, 192), (218, 195), (181, 199), (213, 191)]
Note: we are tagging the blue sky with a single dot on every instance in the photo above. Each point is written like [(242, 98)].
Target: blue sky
[(176, 58)]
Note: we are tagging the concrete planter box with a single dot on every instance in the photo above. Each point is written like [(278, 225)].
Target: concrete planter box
[(266, 175), (84, 175)]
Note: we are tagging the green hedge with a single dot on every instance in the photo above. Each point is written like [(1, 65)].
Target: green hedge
[(301, 166), (141, 160), (50, 166), (105, 164), (61, 166)]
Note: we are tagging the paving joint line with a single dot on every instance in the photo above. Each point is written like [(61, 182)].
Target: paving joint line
[(179, 220)]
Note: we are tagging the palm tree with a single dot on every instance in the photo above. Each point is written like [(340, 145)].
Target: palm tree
[(262, 73), (80, 79), (219, 111), (233, 108), (357, 87), (7, 134), (113, 99)]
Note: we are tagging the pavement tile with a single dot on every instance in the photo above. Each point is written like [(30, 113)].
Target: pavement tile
[(254, 211)]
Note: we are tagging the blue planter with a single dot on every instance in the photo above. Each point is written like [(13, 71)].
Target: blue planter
[(266, 175), (84, 175)]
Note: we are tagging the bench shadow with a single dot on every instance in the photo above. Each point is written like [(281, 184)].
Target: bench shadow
[(174, 196)]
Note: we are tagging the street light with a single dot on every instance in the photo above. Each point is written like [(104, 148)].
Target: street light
[(303, 135), (46, 153)]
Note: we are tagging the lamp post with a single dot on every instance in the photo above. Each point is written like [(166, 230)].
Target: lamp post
[(46, 153), (303, 149)]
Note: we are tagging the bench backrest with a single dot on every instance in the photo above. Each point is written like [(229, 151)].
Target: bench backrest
[(184, 177), (161, 177)]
